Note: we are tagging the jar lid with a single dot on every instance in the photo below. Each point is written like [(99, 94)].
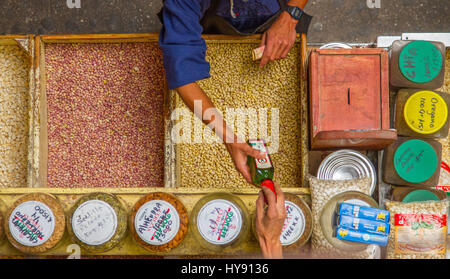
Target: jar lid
[(294, 224), (157, 222), (420, 195), (219, 221), (35, 223), (425, 112), (420, 61), (94, 222), (97, 222), (415, 161), (31, 223)]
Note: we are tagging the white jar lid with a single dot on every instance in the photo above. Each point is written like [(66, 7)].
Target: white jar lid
[(157, 222), (294, 224), (219, 221), (31, 223), (94, 222)]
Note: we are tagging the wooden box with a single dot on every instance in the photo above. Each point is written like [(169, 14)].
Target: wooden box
[(349, 99)]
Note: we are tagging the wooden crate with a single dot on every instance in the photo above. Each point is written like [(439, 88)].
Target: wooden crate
[(68, 197), (349, 99)]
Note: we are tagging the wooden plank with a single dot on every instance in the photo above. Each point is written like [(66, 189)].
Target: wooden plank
[(43, 114), (251, 190), (304, 110)]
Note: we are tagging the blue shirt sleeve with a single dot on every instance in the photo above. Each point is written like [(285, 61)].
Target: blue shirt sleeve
[(183, 48)]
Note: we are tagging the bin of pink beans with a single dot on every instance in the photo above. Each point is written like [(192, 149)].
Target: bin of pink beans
[(105, 120)]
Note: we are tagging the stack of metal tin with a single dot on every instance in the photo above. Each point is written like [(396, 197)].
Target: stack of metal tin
[(347, 164)]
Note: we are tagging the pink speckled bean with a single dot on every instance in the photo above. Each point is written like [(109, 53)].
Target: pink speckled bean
[(105, 115)]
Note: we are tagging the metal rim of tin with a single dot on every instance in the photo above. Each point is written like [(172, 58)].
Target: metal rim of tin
[(340, 162), (347, 157)]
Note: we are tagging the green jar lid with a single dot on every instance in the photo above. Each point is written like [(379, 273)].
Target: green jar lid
[(415, 161), (420, 61), (420, 195)]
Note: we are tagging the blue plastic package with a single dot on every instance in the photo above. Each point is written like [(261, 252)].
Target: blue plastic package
[(357, 211), (368, 238), (363, 225)]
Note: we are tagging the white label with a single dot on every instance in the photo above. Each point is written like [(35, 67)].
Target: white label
[(264, 163), (294, 224), (219, 221), (31, 223), (157, 222), (94, 222)]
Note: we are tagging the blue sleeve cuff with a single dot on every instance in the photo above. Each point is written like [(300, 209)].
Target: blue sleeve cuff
[(184, 64)]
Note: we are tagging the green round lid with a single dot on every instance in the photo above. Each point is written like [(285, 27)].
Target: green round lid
[(420, 61), (415, 161), (420, 195)]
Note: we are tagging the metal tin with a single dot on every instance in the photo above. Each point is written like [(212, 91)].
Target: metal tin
[(347, 164)]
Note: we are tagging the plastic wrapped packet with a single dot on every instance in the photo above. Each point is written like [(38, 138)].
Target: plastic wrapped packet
[(418, 230)]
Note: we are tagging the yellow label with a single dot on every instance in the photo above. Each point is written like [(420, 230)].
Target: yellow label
[(425, 112)]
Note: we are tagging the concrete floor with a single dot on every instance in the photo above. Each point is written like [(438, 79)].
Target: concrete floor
[(334, 20)]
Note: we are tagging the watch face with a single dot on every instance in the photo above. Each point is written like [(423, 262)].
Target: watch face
[(295, 12)]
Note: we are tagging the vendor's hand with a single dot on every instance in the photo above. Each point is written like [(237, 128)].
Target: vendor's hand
[(239, 152), (278, 39), (270, 221)]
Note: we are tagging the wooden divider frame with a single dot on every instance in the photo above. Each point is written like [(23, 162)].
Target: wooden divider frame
[(38, 152)]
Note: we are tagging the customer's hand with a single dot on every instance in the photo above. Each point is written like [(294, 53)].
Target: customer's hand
[(270, 221), (238, 152), (278, 39)]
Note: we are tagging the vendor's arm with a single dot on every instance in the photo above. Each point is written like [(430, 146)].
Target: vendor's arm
[(238, 150), (184, 53), (280, 37)]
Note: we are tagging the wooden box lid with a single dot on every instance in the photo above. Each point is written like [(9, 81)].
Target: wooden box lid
[(349, 98)]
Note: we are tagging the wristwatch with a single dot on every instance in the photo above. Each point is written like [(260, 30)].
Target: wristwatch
[(294, 11)]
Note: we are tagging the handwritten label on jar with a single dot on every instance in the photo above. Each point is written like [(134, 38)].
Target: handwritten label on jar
[(157, 222), (420, 61), (31, 223), (415, 161), (425, 112), (294, 224), (94, 222), (219, 221)]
